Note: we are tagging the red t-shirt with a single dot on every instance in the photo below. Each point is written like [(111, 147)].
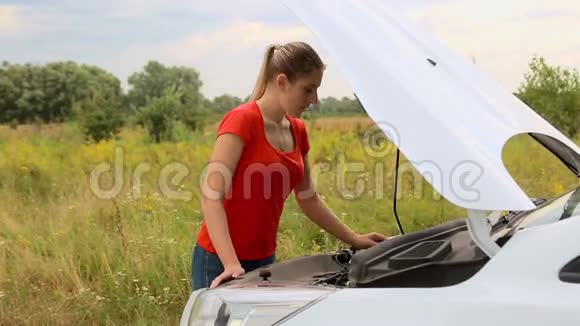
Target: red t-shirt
[(263, 179)]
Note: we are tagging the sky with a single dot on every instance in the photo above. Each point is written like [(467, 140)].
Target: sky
[(224, 40)]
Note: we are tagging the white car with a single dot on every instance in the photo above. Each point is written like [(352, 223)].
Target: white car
[(491, 268)]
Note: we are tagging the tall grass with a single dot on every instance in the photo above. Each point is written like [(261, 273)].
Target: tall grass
[(70, 257)]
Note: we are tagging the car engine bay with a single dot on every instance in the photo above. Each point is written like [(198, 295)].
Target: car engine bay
[(439, 256)]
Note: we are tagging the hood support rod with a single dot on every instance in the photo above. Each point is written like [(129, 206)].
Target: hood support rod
[(396, 175), (395, 190)]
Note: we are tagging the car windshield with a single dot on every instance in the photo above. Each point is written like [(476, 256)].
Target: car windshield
[(552, 211)]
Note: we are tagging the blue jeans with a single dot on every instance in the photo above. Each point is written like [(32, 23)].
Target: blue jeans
[(206, 266)]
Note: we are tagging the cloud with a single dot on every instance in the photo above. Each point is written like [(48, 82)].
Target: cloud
[(236, 37), (248, 9), (8, 17), (143, 8), (217, 45), (225, 39), (503, 36), (25, 22), (228, 59)]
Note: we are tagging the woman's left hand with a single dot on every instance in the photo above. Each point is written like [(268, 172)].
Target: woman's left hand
[(364, 241)]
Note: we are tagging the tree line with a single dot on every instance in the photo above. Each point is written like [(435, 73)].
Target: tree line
[(160, 96)]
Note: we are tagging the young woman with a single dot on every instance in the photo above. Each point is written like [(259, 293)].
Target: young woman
[(259, 158)]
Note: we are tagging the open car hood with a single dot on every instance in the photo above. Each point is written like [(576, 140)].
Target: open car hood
[(449, 120)]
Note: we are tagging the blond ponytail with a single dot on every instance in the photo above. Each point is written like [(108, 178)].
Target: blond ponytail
[(262, 81), (293, 59)]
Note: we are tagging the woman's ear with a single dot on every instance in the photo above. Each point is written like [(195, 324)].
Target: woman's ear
[(282, 82)]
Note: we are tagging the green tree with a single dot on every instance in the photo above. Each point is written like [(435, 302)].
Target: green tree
[(193, 118), (225, 103), (159, 115), (554, 93), (154, 81), (99, 117), (18, 99), (333, 106), (48, 93)]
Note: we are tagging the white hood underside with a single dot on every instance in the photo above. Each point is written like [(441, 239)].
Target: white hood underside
[(448, 119)]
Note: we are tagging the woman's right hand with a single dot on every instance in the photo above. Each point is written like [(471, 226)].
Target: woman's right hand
[(233, 271)]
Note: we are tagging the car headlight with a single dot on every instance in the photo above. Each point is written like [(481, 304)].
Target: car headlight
[(250, 306)]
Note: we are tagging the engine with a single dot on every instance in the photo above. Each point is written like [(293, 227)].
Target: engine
[(439, 256)]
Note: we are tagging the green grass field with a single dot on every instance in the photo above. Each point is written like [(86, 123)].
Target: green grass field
[(70, 257)]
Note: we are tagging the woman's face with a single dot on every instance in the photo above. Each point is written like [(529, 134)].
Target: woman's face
[(296, 96)]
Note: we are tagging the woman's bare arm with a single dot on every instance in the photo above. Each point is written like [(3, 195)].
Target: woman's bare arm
[(317, 211), (221, 167)]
